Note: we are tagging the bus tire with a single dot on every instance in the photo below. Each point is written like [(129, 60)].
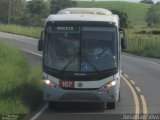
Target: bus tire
[(52, 105), (119, 97), (111, 105)]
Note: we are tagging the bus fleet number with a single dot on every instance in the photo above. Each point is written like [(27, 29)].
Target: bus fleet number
[(67, 84)]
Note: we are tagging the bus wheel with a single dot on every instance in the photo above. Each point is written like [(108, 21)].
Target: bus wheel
[(111, 105), (119, 97), (52, 105)]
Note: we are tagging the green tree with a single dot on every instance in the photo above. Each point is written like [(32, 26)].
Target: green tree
[(34, 13), (37, 7), (57, 5), (153, 15), (147, 1), (3, 11), (158, 3), (123, 18), (10, 10)]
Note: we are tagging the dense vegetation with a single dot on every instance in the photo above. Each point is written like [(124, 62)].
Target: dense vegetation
[(30, 13), (153, 15), (20, 87), (57, 5), (123, 17), (147, 1)]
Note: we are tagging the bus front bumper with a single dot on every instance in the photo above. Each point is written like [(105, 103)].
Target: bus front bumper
[(93, 95)]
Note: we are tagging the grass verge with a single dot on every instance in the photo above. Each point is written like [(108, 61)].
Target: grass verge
[(144, 51), (143, 41), (21, 30), (20, 87)]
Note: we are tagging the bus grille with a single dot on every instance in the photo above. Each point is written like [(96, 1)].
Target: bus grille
[(80, 97)]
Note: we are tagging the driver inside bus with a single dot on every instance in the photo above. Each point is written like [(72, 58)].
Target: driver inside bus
[(100, 49), (99, 53)]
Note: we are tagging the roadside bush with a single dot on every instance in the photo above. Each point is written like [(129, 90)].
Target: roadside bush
[(20, 87)]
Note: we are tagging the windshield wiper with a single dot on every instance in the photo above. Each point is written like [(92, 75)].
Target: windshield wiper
[(104, 50), (70, 62)]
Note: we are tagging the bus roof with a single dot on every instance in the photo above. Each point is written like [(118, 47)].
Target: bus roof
[(97, 11), (88, 14)]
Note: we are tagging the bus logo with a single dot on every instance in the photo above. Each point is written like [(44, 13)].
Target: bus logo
[(80, 84)]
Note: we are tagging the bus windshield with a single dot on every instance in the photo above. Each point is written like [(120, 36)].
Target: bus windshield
[(81, 48)]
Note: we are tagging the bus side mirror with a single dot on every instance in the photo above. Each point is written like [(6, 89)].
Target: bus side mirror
[(40, 42), (40, 45), (123, 39), (123, 43)]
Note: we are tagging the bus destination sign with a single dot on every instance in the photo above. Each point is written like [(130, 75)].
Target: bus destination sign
[(65, 28)]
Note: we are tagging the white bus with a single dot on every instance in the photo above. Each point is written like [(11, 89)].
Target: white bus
[(81, 56)]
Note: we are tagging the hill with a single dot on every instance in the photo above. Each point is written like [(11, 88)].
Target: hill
[(135, 11)]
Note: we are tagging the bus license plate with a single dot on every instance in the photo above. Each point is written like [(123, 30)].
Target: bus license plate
[(66, 84)]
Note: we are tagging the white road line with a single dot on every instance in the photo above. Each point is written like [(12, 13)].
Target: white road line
[(44, 108), (138, 89), (144, 60), (31, 52), (132, 82), (39, 113)]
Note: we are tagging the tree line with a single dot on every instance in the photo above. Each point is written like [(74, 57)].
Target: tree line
[(149, 2), (30, 13), (34, 12), (153, 13)]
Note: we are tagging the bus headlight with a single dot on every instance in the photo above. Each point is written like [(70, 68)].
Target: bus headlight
[(110, 84), (50, 83)]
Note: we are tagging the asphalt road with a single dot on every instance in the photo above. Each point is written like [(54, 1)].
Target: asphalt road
[(140, 87), (146, 76)]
